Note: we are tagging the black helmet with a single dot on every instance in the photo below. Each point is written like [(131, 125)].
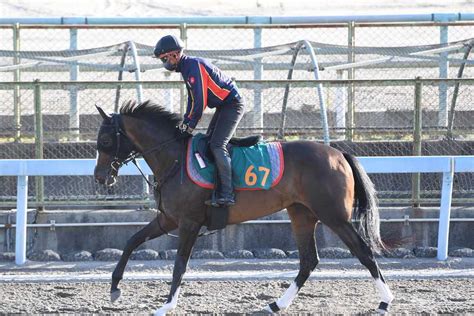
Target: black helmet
[(168, 43)]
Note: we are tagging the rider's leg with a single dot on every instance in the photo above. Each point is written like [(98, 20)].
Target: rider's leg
[(225, 126)]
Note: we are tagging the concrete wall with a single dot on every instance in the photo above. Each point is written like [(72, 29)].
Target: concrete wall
[(244, 236)]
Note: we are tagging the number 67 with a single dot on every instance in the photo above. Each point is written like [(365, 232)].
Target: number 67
[(251, 177)]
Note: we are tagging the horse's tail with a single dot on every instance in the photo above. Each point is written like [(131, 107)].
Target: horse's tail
[(366, 205)]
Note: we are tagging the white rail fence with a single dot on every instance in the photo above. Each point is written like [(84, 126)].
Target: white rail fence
[(23, 168)]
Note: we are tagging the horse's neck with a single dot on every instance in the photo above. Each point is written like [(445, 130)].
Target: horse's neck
[(159, 152)]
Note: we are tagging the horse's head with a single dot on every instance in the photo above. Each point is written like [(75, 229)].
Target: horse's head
[(113, 148)]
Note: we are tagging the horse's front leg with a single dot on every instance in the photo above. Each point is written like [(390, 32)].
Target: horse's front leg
[(188, 232), (157, 227)]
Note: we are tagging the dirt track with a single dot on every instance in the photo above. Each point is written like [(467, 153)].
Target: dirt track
[(340, 287), (334, 296)]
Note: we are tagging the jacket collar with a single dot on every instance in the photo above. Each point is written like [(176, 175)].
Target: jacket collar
[(180, 63)]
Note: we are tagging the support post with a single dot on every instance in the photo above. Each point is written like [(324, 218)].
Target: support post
[(281, 132), (350, 124), (182, 91), (21, 218), (16, 78), (73, 90), (39, 180), (120, 78), (169, 95), (443, 74), (319, 87), (445, 212), (257, 123), (417, 131), (136, 65), (340, 106)]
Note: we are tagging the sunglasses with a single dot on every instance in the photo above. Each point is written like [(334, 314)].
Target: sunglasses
[(165, 58)]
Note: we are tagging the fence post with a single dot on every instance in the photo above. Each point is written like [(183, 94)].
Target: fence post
[(73, 90), (21, 218), (39, 180), (257, 119), (417, 130), (16, 78), (443, 74), (350, 88), (182, 91), (445, 211), (137, 71)]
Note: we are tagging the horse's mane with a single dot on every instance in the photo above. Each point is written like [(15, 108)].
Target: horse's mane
[(150, 111)]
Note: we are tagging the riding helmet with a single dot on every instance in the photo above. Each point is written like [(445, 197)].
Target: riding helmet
[(168, 43)]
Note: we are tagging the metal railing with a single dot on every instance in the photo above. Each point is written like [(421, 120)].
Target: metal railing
[(404, 126), (22, 169)]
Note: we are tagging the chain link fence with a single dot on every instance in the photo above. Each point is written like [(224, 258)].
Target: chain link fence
[(377, 114)]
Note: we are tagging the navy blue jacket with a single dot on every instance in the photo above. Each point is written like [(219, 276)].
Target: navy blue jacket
[(207, 87)]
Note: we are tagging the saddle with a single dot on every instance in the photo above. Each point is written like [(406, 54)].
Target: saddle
[(203, 147)]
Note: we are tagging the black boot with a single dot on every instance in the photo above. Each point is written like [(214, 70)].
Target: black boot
[(225, 195)]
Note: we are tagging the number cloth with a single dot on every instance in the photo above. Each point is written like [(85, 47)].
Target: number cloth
[(257, 167)]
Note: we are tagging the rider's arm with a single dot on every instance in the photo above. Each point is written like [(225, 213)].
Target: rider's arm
[(197, 94)]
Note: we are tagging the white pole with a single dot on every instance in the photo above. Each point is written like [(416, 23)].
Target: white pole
[(443, 74), (319, 86), (136, 64), (21, 218), (169, 95), (74, 121), (340, 106), (445, 212), (257, 75)]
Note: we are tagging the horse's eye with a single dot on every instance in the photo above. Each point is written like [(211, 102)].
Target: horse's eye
[(105, 141)]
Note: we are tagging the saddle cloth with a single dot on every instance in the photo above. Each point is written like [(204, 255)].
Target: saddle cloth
[(258, 167)]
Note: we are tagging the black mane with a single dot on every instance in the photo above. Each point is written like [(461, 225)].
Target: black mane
[(150, 111)]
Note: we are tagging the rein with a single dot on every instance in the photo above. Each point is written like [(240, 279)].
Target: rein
[(157, 183), (117, 162)]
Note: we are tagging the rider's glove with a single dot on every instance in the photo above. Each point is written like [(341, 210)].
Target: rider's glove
[(185, 128)]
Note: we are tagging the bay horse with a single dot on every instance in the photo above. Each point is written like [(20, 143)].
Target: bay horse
[(319, 184)]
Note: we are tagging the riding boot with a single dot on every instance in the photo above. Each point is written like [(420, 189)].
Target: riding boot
[(225, 196)]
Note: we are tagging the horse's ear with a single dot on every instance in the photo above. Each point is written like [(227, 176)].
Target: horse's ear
[(104, 115)]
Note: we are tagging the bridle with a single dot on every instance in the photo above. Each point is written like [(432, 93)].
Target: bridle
[(119, 160)]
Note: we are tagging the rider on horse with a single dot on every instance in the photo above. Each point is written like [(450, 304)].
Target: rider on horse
[(207, 86)]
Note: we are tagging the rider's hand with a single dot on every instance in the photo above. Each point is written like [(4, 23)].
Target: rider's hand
[(185, 128)]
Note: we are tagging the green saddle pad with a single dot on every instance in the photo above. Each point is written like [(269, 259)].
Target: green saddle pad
[(251, 166)]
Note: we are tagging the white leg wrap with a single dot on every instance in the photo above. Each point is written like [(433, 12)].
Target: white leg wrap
[(285, 301), (384, 292), (288, 297), (168, 306)]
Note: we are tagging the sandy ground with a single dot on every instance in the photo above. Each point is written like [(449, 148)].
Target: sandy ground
[(238, 286)]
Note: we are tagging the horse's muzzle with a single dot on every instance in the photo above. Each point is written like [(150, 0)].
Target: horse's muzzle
[(105, 176)]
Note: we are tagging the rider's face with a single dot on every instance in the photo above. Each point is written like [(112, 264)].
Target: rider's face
[(170, 60)]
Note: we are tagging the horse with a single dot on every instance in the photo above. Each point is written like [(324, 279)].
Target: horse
[(319, 184)]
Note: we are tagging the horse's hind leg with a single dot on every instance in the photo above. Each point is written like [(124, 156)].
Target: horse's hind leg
[(363, 252), (157, 227), (188, 233), (303, 224)]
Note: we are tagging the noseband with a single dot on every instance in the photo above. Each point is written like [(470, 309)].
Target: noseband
[(119, 160)]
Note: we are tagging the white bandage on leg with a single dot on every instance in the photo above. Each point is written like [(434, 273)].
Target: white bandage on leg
[(168, 306), (384, 292), (288, 297)]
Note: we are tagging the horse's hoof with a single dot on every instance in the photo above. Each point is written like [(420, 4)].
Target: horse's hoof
[(114, 295), (271, 308), (266, 310), (383, 308)]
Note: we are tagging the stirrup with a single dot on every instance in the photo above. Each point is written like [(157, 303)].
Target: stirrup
[(226, 201), (220, 202), (213, 201)]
